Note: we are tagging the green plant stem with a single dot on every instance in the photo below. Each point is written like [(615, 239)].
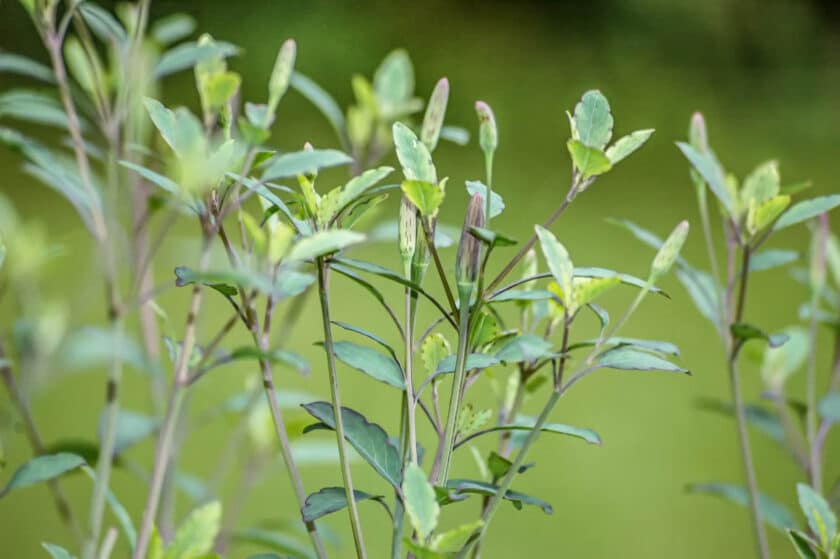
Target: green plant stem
[(442, 474), (710, 250), (430, 241), (738, 401), (280, 427), (352, 508), (411, 410), (170, 420)]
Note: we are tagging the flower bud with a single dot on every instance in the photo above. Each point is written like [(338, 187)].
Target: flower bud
[(281, 74), (469, 249), (669, 251), (697, 133), (407, 233), (435, 112), (488, 134), (422, 255)]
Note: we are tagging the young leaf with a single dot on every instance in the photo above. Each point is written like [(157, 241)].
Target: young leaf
[(761, 215), (593, 120), (745, 332), (453, 539), (414, 156), (426, 196), (473, 361), (772, 258), (196, 535), (369, 439), (358, 185), (558, 262), (669, 253), (761, 185), (820, 517), (589, 161), (435, 113), (420, 502), (630, 359), (455, 134), (304, 162), (626, 145), (17, 64), (278, 83), (370, 362), (435, 349), (331, 499), (186, 55), (805, 210), (781, 362), (497, 204), (584, 434), (772, 512), (393, 81), (710, 170), (42, 468), (323, 243), (803, 544), (172, 28), (525, 347), (57, 552)]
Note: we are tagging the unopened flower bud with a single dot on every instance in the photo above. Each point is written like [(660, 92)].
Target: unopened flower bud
[(669, 252), (697, 133), (488, 134), (469, 249), (282, 73), (407, 233), (435, 112)]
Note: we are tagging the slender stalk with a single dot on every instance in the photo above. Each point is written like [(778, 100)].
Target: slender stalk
[(737, 314), (430, 241), (440, 476), (108, 543), (167, 432), (282, 432), (352, 508), (710, 250), (409, 376)]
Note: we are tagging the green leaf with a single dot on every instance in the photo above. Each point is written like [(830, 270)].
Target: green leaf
[(587, 290), (525, 347), (455, 134), (474, 361), (820, 517), (497, 204), (102, 23), (331, 499), (630, 359), (304, 162), (23, 66), (186, 55), (807, 209), (420, 502), (323, 102), (829, 407), (781, 362), (323, 243), (492, 238), (435, 113), (186, 276), (278, 83), (589, 161), (772, 258), (558, 262), (369, 439), (762, 419), (42, 468), (657, 346), (197, 534), (772, 512), (57, 552), (414, 156), (628, 144), (761, 215), (425, 195), (712, 173), (803, 544), (164, 182), (761, 185), (745, 332), (374, 364), (524, 295), (461, 487), (593, 120), (584, 434), (132, 428), (33, 106), (172, 28), (358, 185)]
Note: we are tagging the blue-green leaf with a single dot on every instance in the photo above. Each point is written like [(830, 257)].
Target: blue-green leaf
[(772, 512), (304, 162), (42, 468), (374, 364), (807, 209)]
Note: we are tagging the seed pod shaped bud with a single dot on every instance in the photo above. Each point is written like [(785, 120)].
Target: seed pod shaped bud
[(422, 255), (282, 73), (407, 233), (669, 252), (469, 249), (697, 133), (488, 134), (435, 112)]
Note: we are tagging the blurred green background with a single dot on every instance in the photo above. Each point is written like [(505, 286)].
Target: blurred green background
[(765, 72)]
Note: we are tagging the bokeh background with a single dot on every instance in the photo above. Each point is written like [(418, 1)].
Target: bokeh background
[(765, 72)]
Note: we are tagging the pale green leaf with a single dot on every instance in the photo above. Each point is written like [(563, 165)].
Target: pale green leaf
[(414, 156), (712, 173), (589, 161), (497, 204), (420, 502), (807, 209), (626, 145), (558, 261), (323, 243), (426, 196), (374, 364), (772, 512), (304, 162), (821, 518), (42, 468), (197, 534), (627, 358), (593, 120)]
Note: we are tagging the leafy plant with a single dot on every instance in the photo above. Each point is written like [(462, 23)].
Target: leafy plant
[(136, 167)]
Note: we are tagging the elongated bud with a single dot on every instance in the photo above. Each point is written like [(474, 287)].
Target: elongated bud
[(669, 252), (488, 134), (435, 112), (407, 233), (469, 249), (422, 255), (697, 133), (281, 74)]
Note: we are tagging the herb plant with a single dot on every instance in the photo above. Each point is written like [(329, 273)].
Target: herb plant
[(267, 231), (751, 213)]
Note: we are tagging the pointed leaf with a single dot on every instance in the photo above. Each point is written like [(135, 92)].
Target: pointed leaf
[(626, 145), (461, 487), (420, 502), (558, 262), (807, 209), (42, 468), (820, 517), (425, 195), (323, 243), (589, 161), (710, 170), (331, 499), (380, 367), (414, 156), (322, 101), (197, 534), (630, 359), (772, 512), (497, 204), (304, 162)]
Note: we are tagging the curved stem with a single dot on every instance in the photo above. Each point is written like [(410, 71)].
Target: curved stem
[(352, 508)]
